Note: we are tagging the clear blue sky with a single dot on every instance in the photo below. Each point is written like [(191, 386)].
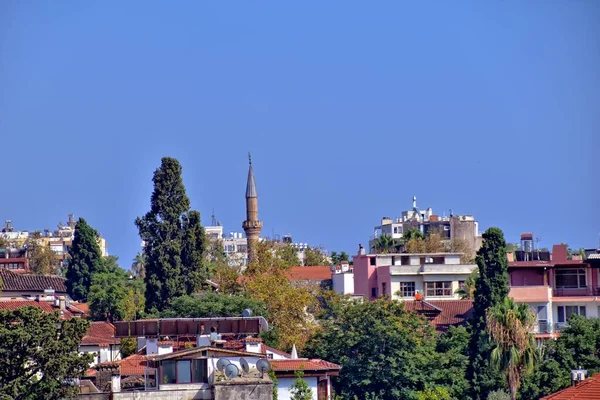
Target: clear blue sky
[(490, 108)]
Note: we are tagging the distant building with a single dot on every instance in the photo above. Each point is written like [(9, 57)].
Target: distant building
[(409, 276), (14, 255), (463, 227)]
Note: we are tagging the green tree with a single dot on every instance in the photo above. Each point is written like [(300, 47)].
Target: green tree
[(338, 258), (42, 260), (451, 362), (412, 233), (212, 305), (275, 383), (385, 244), (490, 289), (300, 389), (436, 393), (509, 326), (577, 346), (173, 239), (39, 354), (113, 296), (85, 260), (498, 395), (288, 255), (384, 350), (315, 256)]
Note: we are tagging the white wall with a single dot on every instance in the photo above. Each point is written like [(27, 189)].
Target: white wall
[(283, 387), (343, 283), (420, 285)]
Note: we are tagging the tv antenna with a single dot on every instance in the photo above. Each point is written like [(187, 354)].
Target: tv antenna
[(213, 219), (232, 371), (263, 366)]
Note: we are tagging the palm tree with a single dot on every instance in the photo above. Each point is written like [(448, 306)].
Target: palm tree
[(467, 292), (509, 325), (138, 265), (385, 244)]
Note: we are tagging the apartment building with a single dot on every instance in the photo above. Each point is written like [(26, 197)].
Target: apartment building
[(555, 285), (406, 276)]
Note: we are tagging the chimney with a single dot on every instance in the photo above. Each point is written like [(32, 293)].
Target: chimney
[(577, 375), (559, 253), (62, 303)]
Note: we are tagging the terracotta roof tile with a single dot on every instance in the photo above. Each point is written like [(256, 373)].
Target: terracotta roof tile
[(30, 282), (449, 312), (44, 305), (253, 340), (317, 273), (303, 364), (589, 389), (100, 334), (135, 364)]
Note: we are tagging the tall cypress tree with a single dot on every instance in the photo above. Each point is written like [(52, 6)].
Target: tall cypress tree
[(490, 289), (173, 239), (86, 259)]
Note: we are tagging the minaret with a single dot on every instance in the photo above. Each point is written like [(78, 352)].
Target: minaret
[(251, 225)]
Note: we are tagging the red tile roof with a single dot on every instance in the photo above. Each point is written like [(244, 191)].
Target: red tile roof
[(303, 364), (589, 389), (318, 273), (30, 282), (44, 305), (135, 364), (442, 313), (100, 334), (253, 340)]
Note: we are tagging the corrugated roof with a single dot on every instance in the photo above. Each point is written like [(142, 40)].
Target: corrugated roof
[(29, 282), (449, 312), (589, 389), (100, 333), (303, 364)]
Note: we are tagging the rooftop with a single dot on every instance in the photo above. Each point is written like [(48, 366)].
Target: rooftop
[(317, 273), (135, 364), (303, 364), (442, 313), (589, 389), (44, 305), (100, 334), (29, 282)]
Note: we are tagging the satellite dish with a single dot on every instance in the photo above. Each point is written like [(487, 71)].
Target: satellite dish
[(263, 366), (244, 365), (247, 313), (231, 371), (222, 363)]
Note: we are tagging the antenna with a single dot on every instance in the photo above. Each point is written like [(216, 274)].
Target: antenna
[(244, 365), (222, 363), (263, 366), (231, 371)]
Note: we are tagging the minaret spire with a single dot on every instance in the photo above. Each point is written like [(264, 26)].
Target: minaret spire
[(252, 226)]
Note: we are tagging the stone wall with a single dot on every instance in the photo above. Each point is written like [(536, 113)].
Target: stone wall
[(244, 389)]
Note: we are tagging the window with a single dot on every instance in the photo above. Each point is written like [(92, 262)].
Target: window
[(168, 371), (199, 373), (441, 288), (383, 288), (270, 356), (184, 372), (374, 292), (395, 230), (565, 312), (407, 289), (372, 261), (461, 284), (572, 278)]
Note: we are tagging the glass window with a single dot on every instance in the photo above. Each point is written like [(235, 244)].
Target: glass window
[(565, 312), (461, 284), (440, 288), (407, 289), (372, 261), (199, 374), (168, 371), (184, 372), (571, 278), (383, 288), (374, 292)]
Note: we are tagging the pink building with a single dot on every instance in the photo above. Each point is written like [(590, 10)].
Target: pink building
[(555, 287), (401, 276)]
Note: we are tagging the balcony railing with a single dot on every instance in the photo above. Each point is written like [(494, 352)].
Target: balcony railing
[(543, 327), (584, 291)]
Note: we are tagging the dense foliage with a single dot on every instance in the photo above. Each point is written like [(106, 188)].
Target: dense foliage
[(213, 305), (39, 354), (174, 239), (300, 389), (42, 260), (490, 289), (85, 260), (315, 256)]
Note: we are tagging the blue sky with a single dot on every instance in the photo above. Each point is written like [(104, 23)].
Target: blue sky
[(349, 109)]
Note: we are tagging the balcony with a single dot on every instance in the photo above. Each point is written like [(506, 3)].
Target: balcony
[(542, 326), (530, 294), (585, 291)]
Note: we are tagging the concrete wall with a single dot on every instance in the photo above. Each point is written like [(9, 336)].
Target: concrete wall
[(365, 276), (527, 277), (254, 389), (284, 384), (343, 283), (420, 285)]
